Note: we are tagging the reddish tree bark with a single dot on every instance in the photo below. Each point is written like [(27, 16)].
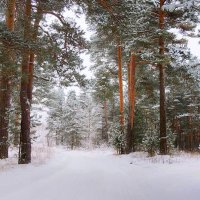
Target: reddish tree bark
[(121, 97), (131, 96), (5, 84), (32, 55), (106, 5), (30, 78)]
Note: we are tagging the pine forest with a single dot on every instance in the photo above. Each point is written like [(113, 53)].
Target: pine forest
[(99, 99)]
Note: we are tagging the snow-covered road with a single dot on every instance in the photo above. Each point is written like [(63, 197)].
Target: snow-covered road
[(100, 175)]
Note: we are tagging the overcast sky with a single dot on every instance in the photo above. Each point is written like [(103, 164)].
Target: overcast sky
[(193, 44)]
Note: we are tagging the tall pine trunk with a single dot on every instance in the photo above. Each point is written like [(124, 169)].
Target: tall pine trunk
[(130, 143), (38, 18), (121, 98), (5, 83), (163, 129), (25, 140)]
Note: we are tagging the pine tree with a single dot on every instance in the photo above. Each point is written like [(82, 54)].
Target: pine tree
[(56, 122), (25, 140), (90, 117), (5, 81), (139, 28)]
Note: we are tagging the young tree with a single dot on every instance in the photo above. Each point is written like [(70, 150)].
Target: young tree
[(56, 121)]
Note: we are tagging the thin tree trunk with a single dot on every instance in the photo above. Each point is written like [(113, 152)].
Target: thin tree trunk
[(120, 85), (17, 117), (163, 129), (5, 84), (25, 141), (131, 94), (16, 134), (105, 132), (89, 126)]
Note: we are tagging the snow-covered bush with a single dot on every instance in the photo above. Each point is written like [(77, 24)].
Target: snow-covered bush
[(117, 138), (171, 137), (151, 142)]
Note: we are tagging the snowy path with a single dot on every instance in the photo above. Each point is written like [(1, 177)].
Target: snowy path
[(101, 176)]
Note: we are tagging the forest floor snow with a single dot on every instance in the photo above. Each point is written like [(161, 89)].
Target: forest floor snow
[(102, 175)]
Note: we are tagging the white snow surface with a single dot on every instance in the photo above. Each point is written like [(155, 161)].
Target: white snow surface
[(102, 175)]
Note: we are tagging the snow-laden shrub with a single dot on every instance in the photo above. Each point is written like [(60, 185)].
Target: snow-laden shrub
[(117, 138), (150, 142), (171, 137)]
